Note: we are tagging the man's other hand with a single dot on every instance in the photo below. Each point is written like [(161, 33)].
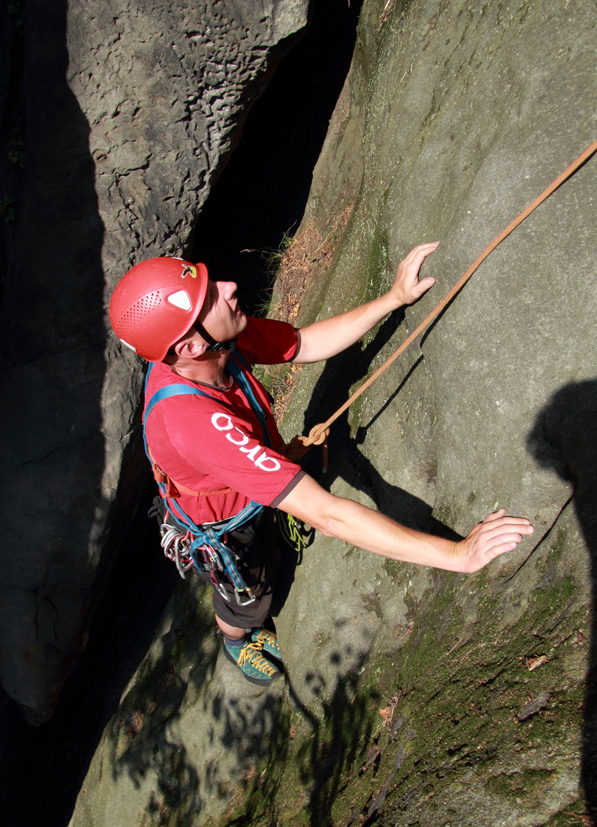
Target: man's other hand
[(407, 288)]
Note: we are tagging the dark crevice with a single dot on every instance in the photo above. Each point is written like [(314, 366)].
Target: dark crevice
[(261, 194), (55, 756)]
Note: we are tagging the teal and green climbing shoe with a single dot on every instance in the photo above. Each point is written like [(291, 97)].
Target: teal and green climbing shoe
[(268, 640), (249, 657)]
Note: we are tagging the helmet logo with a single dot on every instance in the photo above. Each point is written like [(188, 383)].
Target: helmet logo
[(189, 270)]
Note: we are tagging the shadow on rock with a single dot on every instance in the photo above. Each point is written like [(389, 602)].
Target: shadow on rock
[(346, 459), (322, 749), (564, 438), (340, 738), (141, 737)]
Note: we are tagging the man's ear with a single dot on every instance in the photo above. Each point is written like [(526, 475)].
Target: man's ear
[(190, 347)]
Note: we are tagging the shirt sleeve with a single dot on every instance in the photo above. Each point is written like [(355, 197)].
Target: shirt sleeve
[(268, 341)]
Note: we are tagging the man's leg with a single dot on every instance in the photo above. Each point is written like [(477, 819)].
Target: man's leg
[(231, 632), (246, 642)]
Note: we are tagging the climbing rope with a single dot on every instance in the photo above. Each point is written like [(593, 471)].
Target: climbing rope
[(318, 434)]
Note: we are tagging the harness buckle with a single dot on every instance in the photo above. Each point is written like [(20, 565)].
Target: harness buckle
[(167, 487)]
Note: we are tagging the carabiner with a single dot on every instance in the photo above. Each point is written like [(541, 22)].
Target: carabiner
[(238, 592)]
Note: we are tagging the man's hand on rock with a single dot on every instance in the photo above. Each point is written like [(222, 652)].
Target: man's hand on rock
[(496, 535), (407, 288)]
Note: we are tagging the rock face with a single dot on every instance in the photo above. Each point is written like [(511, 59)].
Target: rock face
[(413, 696), (124, 115), (453, 118)]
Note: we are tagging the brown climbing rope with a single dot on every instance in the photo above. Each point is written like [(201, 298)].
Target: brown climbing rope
[(318, 434)]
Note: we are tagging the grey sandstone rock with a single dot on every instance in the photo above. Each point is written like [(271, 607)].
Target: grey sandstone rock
[(453, 118), (127, 113)]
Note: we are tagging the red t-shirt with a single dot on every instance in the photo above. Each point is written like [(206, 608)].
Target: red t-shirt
[(205, 446)]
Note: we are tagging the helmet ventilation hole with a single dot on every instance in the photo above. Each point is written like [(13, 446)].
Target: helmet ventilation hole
[(137, 312)]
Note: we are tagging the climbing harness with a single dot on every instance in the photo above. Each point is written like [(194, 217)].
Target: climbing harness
[(206, 547), (318, 433)]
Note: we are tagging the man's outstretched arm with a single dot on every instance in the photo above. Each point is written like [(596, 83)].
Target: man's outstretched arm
[(372, 531), (328, 337)]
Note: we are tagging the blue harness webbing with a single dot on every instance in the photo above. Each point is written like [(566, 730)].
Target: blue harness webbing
[(208, 547)]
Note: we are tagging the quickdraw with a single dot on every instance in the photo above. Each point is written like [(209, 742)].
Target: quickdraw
[(294, 532)]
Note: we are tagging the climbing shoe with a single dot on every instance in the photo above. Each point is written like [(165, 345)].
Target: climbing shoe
[(249, 657), (268, 640)]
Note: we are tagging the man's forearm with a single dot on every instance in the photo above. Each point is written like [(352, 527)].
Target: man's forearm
[(328, 337), (372, 531), (368, 529)]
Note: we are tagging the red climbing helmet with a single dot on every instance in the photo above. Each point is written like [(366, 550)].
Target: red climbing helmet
[(156, 303)]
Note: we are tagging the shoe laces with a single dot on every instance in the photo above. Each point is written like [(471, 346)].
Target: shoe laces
[(251, 654), (265, 637)]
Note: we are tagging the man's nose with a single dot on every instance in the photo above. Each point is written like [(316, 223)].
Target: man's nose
[(227, 288)]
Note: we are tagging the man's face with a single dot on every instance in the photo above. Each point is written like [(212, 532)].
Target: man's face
[(221, 315)]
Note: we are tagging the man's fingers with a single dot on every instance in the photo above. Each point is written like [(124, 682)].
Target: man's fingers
[(501, 548), (423, 249), (424, 285), (492, 541), (495, 515), (503, 531), (520, 524), (496, 535), (419, 253), (407, 286), (498, 520)]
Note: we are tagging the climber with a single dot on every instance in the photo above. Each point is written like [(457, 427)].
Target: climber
[(218, 456)]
